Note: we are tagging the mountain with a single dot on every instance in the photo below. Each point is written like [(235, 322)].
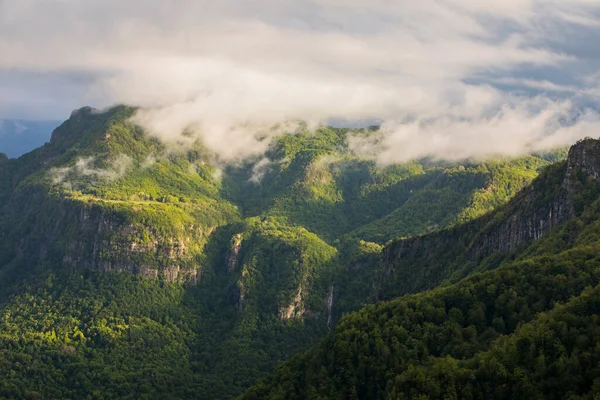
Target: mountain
[(18, 137), (129, 265), (522, 323)]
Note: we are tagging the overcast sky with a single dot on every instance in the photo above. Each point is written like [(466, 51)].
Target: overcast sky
[(458, 77)]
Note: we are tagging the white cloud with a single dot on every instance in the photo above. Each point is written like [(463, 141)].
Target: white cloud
[(260, 169), (542, 84), (510, 130), (84, 166), (232, 70)]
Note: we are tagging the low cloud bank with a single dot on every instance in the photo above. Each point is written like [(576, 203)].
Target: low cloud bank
[(445, 78), (84, 167)]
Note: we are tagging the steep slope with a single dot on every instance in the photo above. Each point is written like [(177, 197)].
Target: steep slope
[(561, 193), (458, 195), (76, 333), (542, 359), (104, 197), (543, 249), (464, 341), (274, 282)]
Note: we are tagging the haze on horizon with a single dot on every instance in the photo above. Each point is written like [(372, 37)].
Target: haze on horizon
[(445, 78)]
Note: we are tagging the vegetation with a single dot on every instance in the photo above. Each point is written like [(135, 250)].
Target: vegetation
[(270, 303), (490, 336), (96, 335), (314, 181)]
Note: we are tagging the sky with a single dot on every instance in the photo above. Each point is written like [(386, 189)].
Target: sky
[(447, 79)]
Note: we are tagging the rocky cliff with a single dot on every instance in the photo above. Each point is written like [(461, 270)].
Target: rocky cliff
[(87, 235), (420, 263)]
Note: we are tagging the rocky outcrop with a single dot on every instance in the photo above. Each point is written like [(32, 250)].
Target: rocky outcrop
[(295, 308), (239, 291), (87, 235), (232, 258), (419, 263), (107, 242), (585, 157)]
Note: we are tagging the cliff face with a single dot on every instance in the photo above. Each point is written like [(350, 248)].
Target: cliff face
[(109, 243), (79, 235), (420, 263)]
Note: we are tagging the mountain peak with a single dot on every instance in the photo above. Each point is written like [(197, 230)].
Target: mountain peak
[(87, 121), (84, 111), (585, 155)]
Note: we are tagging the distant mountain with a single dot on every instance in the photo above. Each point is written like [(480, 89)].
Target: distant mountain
[(18, 137)]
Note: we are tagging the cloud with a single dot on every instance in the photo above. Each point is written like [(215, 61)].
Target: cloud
[(84, 167), (510, 130), (264, 166), (539, 84), (260, 169), (232, 71)]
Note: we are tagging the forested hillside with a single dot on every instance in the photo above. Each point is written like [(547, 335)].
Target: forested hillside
[(527, 327), (130, 265)]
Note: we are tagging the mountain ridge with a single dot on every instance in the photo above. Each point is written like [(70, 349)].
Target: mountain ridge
[(540, 207)]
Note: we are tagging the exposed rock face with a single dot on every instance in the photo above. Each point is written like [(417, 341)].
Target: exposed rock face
[(232, 261), (584, 156), (175, 273), (117, 246), (88, 236), (294, 309), (418, 263), (232, 258), (239, 291)]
